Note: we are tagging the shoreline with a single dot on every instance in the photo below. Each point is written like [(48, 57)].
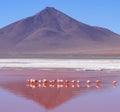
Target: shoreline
[(76, 64)]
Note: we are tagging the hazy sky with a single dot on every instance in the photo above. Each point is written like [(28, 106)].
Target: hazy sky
[(104, 13)]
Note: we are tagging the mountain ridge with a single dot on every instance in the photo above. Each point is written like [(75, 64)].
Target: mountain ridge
[(52, 32)]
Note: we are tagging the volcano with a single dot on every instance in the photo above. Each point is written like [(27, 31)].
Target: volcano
[(53, 33)]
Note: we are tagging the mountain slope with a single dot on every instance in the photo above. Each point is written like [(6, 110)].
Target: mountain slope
[(52, 32)]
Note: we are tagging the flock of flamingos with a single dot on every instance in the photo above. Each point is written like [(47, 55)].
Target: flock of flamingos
[(59, 83)]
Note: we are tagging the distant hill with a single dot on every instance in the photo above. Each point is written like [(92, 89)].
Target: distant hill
[(53, 33)]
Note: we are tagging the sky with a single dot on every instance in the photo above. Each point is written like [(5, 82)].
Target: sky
[(102, 13)]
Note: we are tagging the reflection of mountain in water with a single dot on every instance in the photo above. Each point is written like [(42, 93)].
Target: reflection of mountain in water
[(48, 97), (52, 97)]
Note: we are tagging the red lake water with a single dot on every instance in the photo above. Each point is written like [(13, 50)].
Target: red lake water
[(73, 91)]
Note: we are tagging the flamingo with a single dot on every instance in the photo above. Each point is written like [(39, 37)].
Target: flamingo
[(78, 83), (98, 83), (114, 84), (67, 81), (44, 81), (88, 83), (73, 82)]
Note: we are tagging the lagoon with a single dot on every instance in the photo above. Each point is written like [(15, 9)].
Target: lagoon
[(17, 95)]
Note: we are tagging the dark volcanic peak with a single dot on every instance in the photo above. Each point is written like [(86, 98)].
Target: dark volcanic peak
[(48, 18), (53, 32), (49, 10)]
